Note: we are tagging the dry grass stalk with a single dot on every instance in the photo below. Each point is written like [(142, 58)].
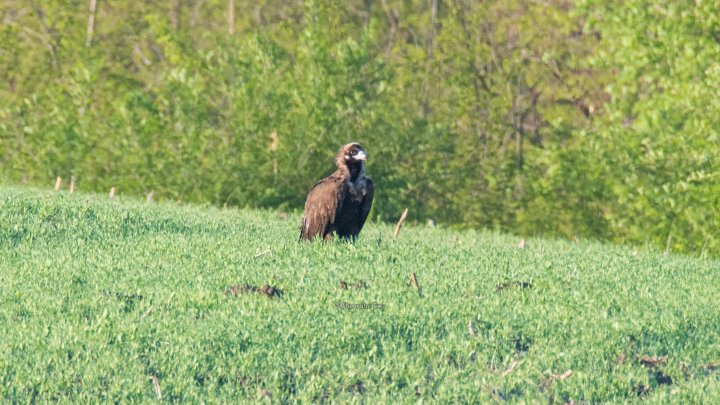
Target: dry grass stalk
[(399, 224)]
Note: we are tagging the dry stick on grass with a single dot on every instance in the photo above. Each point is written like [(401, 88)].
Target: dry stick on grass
[(702, 251), (413, 281), (156, 386), (513, 365), (263, 253), (72, 184), (547, 382), (399, 224), (58, 183), (112, 192)]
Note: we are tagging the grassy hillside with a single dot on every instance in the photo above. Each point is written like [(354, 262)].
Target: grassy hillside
[(124, 300)]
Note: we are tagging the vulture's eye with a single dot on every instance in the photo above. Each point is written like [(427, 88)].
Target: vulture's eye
[(353, 152)]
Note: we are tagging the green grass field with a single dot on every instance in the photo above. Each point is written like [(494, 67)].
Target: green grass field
[(122, 300)]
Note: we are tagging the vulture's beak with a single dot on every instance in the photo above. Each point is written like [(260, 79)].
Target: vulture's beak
[(361, 156)]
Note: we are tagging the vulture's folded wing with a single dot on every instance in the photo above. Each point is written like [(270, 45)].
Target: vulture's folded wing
[(366, 203), (321, 207)]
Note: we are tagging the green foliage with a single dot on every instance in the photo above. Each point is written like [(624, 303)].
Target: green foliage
[(590, 118), (97, 296), (658, 144)]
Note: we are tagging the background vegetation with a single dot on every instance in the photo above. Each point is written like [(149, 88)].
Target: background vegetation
[(589, 118), (119, 301)]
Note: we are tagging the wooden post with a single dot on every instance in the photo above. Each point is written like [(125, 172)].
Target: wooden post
[(150, 196), (231, 17), (399, 223), (91, 23), (112, 192), (58, 183), (72, 184)]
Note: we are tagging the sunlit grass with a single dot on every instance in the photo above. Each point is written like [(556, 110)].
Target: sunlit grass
[(99, 297)]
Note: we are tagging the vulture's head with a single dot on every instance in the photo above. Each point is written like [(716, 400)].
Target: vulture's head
[(351, 154)]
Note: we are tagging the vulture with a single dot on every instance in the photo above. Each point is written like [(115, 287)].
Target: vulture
[(339, 203)]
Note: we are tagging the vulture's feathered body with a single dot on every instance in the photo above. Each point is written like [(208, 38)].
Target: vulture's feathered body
[(341, 202)]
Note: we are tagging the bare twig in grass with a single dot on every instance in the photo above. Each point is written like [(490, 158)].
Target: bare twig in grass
[(399, 224), (58, 183), (492, 359), (547, 382), (156, 386), (148, 312), (263, 253), (649, 361), (712, 366), (112, 192), (471, 330), (150, 196), (413, 281), (513, 365), (702, 251), (72, 184)]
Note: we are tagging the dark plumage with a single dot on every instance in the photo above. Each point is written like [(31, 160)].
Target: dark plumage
[(341, 202)]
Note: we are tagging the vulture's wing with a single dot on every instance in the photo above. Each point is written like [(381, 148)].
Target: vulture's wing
[(366, 204), (323, 202)]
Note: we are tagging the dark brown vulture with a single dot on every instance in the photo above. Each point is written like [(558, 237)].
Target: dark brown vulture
[(341, 202)]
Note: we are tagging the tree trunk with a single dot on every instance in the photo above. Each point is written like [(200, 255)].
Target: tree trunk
[(430, 54), (368, 9), (176, 14), (91, 23), (231, 17)]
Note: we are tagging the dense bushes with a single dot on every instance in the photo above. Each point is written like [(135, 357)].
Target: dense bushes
[(597, 119)]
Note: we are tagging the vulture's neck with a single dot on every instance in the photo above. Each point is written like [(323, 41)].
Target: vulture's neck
[(352, 171)]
